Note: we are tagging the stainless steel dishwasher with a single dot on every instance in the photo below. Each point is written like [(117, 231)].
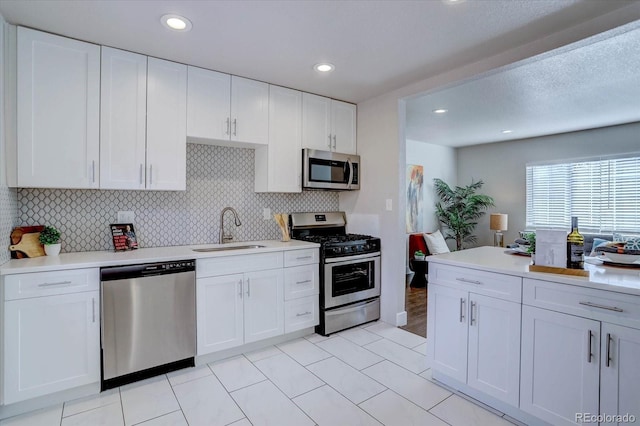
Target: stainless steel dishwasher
[(148, 320)]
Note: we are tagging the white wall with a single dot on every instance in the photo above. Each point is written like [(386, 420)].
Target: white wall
[(437, 162), (381, 144), (502, 166)]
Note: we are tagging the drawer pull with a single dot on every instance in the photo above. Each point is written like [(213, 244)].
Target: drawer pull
[(304, 257), (589, 341), (303, 282), (472, 320), (465, 280), (595, 305), (303, 314), (608, 363), (462, 303), (52, 284)]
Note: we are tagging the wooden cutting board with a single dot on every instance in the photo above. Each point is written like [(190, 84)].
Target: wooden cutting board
[(25, 242)]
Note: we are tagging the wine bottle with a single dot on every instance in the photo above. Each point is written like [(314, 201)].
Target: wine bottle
[(575, 246)]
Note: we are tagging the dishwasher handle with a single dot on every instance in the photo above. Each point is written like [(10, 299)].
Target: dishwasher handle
[(146, 270)]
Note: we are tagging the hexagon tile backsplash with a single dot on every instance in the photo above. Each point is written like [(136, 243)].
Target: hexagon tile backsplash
[(216, 177)]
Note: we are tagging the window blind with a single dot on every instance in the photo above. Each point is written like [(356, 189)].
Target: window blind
[(603, 193)]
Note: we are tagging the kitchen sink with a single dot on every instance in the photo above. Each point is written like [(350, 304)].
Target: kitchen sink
[(204, 250)]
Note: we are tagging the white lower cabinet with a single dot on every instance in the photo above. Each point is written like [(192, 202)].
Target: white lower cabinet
[(475, 339), (237, 309), (51, 342), (244, 299), (620, 372), (560, 365)]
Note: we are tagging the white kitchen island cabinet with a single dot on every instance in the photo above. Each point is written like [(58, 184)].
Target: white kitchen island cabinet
[(476, 337), (51, 333), (570, 344), (58, 112), (328, 124)]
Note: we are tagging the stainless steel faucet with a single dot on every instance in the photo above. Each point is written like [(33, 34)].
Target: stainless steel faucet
[(225, 238)]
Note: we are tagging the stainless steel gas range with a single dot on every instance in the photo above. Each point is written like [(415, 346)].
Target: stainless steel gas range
[(349, 270)]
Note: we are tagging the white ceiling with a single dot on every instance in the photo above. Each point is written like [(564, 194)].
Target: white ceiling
[(589, 84), (377, 46)]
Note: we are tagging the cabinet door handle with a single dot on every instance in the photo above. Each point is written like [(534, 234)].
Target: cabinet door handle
[(228, 126), (93, 309), (248, 287), (329, 141), (589, 342), (595, 305), (334, 141), (608, 361), (303, 282), (462, 303), (52, 284), (303, 314), (235, 126), (472, 320), (240, 287), (93, 171), (141, 174), (466, 280), (151, 175)]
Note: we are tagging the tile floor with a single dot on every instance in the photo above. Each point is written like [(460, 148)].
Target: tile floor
[(371, 375)]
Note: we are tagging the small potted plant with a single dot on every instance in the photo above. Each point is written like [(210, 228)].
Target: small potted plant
[(50, 239), (418, 255)]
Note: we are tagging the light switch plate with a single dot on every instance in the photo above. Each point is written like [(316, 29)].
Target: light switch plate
[(126, 216), (266, 213), (389, 204)]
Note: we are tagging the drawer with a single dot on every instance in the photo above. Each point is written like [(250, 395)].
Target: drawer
[(301, 257), (226, 265), (37, 284), (507, 287), (609, 306), (301, 313), (301, 281)]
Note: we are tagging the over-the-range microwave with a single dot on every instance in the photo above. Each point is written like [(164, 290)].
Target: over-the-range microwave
[(330, 170)]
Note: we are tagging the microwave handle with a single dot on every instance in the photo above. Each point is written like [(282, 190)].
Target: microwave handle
[(350, 173)]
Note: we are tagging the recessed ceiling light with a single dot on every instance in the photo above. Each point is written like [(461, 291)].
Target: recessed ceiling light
[(507, 131), (440, 111), (324, 67), (176, 22)]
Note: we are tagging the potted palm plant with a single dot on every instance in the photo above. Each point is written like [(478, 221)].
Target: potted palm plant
[(459, 209), (50, 239)]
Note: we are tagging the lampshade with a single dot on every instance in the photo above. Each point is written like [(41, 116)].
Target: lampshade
[(498, 221)]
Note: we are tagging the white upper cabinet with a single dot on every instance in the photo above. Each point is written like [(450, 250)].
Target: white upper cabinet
[(58, 108), (328, 124), (123, 111), (343, 122), (143, 122), (227, 108), (166, 125), (249, 111), (208, 104), (278, 165)]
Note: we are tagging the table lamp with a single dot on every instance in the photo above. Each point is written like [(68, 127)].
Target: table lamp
[(498, 223)]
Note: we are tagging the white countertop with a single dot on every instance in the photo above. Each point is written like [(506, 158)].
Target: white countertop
[(96, 259), (496, 259)]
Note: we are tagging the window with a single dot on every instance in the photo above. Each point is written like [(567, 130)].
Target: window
[(603, 193)]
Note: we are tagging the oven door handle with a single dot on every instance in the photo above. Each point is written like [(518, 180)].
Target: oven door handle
[(350, 259)]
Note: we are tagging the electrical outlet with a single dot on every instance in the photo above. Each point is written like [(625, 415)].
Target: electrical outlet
[(389, 204), (127, 216), (266, 213)]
